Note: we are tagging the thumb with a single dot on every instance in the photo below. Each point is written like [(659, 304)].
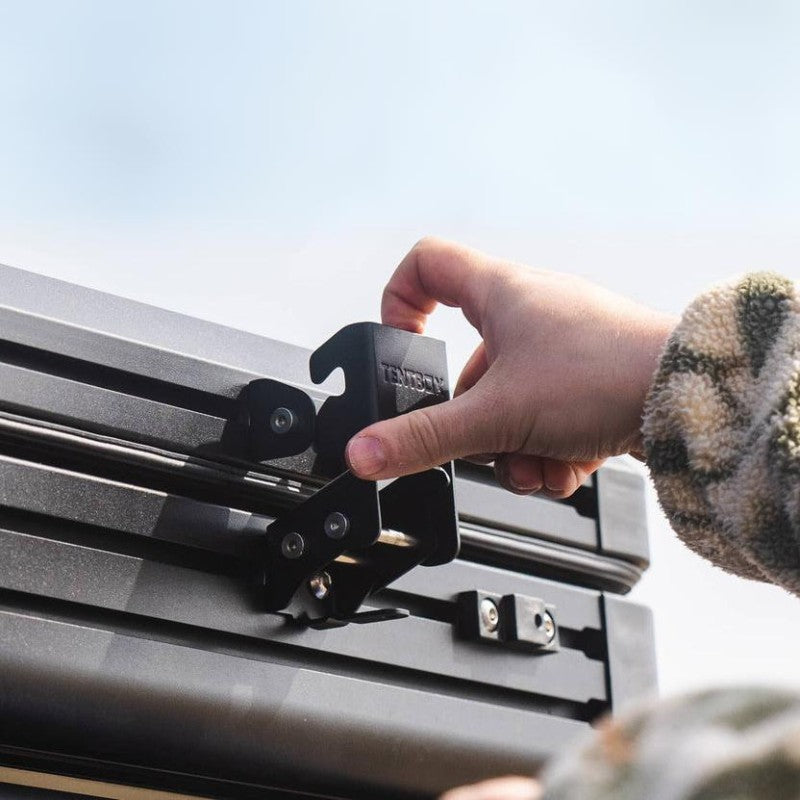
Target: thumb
[(421, 439)]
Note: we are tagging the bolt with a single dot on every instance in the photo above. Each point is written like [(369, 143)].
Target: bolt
[(336, 525), (490, 616), (549, 626), (282, 420), (320, 585), (293, 545)]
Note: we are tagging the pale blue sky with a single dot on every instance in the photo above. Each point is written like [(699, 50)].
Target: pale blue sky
[(309, 115), (266, 164)]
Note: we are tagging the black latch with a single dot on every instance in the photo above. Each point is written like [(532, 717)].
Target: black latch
[(350, 538)]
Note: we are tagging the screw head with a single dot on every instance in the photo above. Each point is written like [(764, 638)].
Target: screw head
[(320, 585), (336, 525), (293, 545), (549, 625), (490, 614), (282, 420)]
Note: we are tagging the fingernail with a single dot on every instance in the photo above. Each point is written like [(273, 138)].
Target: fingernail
[(551, 485), (365, 455), (518, 487)]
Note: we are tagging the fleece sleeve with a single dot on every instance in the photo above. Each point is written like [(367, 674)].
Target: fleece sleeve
[(722, 428), (731, 744)]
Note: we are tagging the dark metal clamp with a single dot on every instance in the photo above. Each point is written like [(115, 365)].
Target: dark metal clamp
[(350, 538)]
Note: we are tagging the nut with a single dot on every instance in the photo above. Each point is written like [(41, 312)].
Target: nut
[(490, 615), (549, 625)]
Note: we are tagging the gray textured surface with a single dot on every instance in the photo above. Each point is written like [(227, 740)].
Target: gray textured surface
[(113, 696)]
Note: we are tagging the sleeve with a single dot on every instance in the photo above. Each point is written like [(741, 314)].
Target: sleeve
[(722, 428), (722, 744)]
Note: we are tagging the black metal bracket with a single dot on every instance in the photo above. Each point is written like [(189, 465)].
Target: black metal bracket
[(351, 539)]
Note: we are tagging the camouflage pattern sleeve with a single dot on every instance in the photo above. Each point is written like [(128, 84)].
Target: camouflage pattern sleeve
[(722, 428), (731, 744)]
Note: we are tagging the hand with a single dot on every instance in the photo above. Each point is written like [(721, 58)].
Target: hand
[(510, 788), (557, 384)]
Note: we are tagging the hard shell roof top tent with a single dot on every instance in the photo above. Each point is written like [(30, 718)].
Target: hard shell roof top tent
[(142, 641)]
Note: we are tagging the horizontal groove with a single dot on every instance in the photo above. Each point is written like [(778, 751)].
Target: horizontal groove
[(128, 544), (115, 380), (590, 641), (482, 544), (192, 479), (289, 655), (426, 607)]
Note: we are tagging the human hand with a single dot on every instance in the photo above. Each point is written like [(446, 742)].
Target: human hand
[(557, 384), (509, 788)]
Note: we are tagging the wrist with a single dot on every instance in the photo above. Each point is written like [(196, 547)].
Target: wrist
[(652, 341)]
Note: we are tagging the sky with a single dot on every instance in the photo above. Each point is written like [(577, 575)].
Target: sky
[(267, 164)]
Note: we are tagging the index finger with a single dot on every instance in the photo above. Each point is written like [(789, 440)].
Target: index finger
[(435, 271)]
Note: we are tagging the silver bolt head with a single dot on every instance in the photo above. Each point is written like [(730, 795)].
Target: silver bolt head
[(549, 626), (282, 420), (320, 585), (336, 525), (490, 614), (293, 545)]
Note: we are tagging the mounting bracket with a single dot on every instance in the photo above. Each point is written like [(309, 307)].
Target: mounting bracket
[(350, 538)]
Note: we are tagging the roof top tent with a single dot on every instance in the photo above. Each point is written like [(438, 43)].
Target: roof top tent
[(149, 497)]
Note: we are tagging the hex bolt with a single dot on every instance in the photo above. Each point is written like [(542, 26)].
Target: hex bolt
[(320, 585), (293, 545), (490, 615), (549, 626), (336, 525), (282, 420)]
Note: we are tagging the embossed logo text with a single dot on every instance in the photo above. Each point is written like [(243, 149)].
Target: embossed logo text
[(411, 379)]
